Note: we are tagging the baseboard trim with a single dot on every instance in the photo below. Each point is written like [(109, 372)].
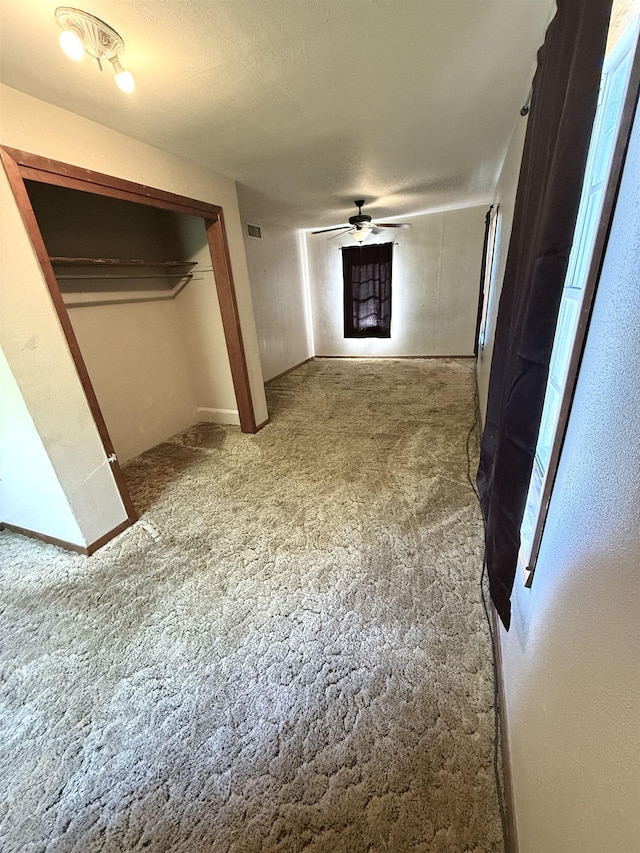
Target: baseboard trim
[(511, 841), (43, 537), (263, 425), (391, 357), (289, 370), (218, 416), (91, 549), (85, 550)]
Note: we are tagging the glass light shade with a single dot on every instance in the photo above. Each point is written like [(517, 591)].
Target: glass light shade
[(361, 234), (71, 44), (125, 81)]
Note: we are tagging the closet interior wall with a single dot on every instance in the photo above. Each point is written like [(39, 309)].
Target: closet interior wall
[(150, 332)]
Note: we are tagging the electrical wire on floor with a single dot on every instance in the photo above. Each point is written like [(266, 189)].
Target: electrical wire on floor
[(497, 734)]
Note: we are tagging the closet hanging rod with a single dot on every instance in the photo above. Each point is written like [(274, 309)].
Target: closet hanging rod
[(70, 261)]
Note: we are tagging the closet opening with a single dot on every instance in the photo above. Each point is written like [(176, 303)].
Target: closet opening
[(141, 281)]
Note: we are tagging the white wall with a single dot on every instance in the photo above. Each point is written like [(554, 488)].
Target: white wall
[(571, 659), (279, 299), (31, 336), (505, 196), (30, 495), (435, 282), (137, 361)]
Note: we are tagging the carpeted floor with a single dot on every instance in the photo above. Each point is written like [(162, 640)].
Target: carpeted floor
[(287, 653)]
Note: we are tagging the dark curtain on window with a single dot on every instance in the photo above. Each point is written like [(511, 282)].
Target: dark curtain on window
[(565, 93), (367, 290)]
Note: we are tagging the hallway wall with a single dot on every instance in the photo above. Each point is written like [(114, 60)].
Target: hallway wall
[(277, 275), (30, 495)]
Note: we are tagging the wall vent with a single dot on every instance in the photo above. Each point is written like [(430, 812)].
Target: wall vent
[(254, 231)]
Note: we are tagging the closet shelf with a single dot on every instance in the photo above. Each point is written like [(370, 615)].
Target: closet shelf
[(115, 262), (113, 268)]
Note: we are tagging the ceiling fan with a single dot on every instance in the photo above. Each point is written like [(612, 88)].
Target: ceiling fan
[(361, 225)]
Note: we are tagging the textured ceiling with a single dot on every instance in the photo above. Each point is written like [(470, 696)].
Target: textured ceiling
[(308, 104)]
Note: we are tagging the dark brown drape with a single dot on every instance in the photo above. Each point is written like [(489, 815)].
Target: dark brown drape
[(367, 290), (565, 94)]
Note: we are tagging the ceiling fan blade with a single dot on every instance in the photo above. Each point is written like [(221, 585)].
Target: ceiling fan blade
[(343, 234), (339, 228), (393, 225), (376, 229)]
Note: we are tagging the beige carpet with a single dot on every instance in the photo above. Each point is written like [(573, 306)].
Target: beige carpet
[(288, 652)]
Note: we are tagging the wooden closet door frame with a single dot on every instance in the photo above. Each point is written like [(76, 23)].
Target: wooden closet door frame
[(21, 166)]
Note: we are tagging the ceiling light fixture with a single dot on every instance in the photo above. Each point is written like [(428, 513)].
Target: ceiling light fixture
[(84, 33), (361, 234)]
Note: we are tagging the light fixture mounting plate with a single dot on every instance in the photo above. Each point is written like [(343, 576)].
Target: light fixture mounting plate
[(98, 39)]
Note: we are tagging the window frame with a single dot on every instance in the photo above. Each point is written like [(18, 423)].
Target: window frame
[(488, 274), (612, 186), (349, 330)]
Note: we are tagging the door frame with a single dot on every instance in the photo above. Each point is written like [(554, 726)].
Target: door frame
[(21, 166)]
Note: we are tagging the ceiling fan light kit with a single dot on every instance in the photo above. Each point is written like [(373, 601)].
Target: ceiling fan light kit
[(84, 33), (361, 225), (360, 234)]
